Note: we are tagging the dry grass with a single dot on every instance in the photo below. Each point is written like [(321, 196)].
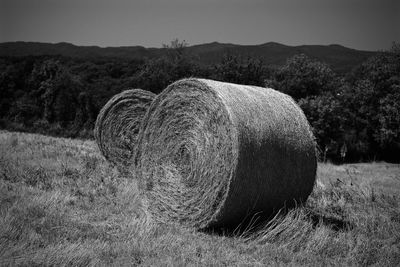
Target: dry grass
[(214, 154), (61, 203), (118, 123)]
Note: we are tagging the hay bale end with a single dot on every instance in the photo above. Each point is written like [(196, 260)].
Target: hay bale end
[(118, 123)]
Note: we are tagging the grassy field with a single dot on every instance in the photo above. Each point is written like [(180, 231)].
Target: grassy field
[(62, 204)]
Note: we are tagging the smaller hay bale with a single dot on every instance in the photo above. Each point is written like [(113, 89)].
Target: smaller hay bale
[(214, 154), (118, 123)]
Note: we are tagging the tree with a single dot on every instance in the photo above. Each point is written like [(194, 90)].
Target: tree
[(324, 112), (24, 110), (301, 77), (156, 74), (359, 120), (176, 48), (372, 102), (235, 69), (85, 114), (388, 133)]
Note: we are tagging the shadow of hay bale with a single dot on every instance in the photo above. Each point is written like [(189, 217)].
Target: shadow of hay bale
[(255, 224), (118, 123), (336, 223), (247, 227), (211, 154)]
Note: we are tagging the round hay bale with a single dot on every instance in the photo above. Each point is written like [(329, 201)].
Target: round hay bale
[(117, 125), (213, 154)]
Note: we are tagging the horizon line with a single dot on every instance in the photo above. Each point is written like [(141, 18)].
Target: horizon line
[(191, 45)]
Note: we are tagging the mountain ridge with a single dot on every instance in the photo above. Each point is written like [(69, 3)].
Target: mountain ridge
[(340, 58)]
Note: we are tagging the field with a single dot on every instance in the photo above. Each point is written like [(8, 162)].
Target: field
[(61, 203)]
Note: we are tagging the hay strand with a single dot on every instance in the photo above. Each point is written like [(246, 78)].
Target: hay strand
[(212, 154), (118, 123)]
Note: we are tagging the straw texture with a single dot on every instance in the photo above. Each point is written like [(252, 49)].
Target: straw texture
[(211, 154), (117, 125)]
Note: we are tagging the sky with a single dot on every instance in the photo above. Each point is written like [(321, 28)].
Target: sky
[(359, 24)]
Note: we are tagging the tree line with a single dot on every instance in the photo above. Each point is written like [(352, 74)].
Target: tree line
[(355, 117)]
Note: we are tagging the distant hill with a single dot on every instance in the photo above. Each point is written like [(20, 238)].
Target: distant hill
[(339, 58)]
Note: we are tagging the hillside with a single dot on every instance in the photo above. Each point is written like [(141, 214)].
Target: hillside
[(341, 59), (62, 204)]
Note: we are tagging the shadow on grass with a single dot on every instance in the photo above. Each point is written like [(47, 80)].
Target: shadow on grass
[(334, 222), (253, 225)]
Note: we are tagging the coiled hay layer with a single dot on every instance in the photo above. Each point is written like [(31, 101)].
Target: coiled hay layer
[(117, 125), (212, 154)]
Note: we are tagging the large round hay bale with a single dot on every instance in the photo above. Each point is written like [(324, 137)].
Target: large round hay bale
[(213, 154), (118, 124)]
